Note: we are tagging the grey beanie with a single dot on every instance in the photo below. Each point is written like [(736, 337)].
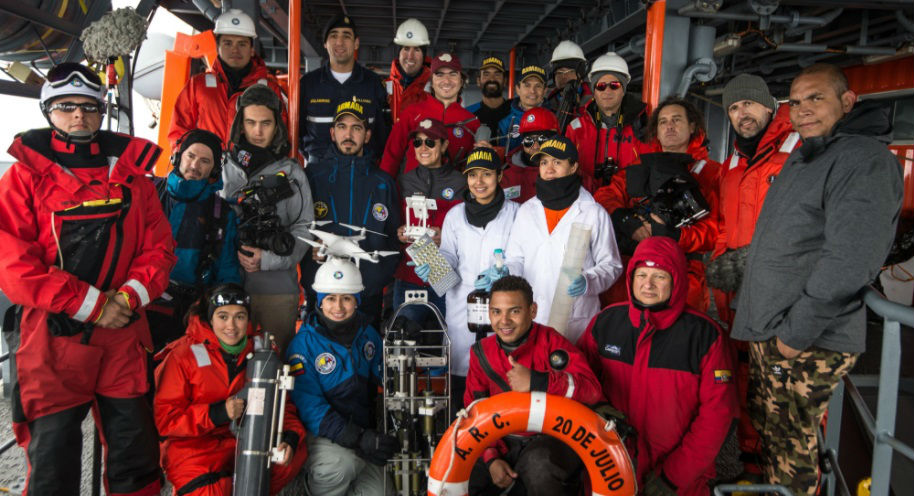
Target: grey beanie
[(594, 77), (748, 87)]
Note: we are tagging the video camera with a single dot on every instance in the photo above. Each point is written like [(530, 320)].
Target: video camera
[(605, 170), (668, 188), (260, 225)]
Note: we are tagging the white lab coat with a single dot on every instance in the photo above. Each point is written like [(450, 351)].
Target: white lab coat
[(469, 249), (537, 255)]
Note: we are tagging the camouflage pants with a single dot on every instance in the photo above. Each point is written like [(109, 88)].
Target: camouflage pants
[(787, 399)]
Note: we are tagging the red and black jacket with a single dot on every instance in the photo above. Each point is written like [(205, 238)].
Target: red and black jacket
[(670, 371)]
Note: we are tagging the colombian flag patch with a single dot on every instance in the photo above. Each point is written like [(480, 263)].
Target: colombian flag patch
[(296, 369), (722, 376)]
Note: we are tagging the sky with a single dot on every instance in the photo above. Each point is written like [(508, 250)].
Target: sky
[(28, 116)]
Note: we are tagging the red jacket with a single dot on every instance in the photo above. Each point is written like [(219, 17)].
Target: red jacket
[(398, 97), (621, 142), (670, 372), (205, 102), (192, 376), (69, 235), (696, 238), (576, 380), (460, 121), (745, 181)]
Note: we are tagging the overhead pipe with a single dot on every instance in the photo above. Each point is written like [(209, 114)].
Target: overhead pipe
[(904, 21), (795, 19), (702, 70), (849, 49), (208, 9), (635, 46), (828, 16)]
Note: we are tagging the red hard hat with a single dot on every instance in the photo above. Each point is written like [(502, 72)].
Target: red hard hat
[(538, 119)]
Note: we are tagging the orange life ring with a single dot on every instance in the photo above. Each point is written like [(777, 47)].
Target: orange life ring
[(488, 420)]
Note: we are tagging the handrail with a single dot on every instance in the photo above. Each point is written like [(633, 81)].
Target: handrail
[(888, 309)]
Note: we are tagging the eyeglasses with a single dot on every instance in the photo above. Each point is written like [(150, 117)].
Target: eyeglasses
[(429, 143), (529, 140), (613, 85), (230, 298), (70, 107)]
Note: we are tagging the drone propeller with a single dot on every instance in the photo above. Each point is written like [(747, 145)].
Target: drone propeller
[(315, 223), (316, 244), (377, 253), (359, 228)]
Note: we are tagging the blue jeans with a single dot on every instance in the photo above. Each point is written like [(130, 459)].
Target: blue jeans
[(418, 313)]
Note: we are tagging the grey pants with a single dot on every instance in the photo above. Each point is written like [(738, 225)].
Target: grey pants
[(337, 471), (276, 314)]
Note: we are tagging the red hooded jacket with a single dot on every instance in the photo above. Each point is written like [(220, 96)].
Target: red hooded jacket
[(576, 380), (205, 102), (670, 371), (696, 238), (398, 97), (68, 236), (192, 376), (460, 122)]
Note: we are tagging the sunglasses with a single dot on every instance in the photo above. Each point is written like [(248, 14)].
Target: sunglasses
[(429, 142), (528, 141), (613, 85), (70, 107)]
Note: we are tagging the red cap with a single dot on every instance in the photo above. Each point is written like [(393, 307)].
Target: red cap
[(446, 60), (538, 119), (433, 128)]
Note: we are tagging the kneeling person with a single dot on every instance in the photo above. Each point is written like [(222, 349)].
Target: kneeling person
[(654, 343), (336, 361), (518, 358)]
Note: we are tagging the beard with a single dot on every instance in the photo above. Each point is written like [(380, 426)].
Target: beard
[(491, 89)]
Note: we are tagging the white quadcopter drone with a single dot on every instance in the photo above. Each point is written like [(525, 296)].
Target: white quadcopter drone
[(336, 245)]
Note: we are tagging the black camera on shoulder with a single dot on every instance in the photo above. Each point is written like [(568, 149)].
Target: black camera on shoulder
[(260, 225), (668, 188), (605, 170)]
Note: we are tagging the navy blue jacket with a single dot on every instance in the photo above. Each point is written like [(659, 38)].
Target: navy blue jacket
[(354, 191), (335, 386), (320, 95), (189, 207)]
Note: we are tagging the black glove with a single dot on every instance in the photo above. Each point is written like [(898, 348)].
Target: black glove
[(625, 221), (377, 447), (661, 229), (656, 484)]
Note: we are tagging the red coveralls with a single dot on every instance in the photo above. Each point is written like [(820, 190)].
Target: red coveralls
[(461, 123), (696, 238), (198, 455), (205, 102), (670, 372), (398, 97), (620, 141), (69, 235), (744, 183)]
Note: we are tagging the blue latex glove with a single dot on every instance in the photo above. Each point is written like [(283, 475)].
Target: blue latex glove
[(577, 286), (422, 271), (489, 276)]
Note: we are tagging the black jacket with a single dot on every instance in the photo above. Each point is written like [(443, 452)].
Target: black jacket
[(826, 226), (320, 95)]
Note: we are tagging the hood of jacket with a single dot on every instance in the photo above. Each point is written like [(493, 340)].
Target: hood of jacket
[(421, 78), (774, 134), (662, 253), (258, 71)]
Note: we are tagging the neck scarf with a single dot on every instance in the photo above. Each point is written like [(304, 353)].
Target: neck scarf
[(559, 193), (235, 349), (480, 215)]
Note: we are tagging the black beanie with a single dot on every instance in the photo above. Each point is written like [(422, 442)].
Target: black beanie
[(206, 138)]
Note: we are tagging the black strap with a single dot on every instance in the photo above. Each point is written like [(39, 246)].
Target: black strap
[(487, 367), (202, 481)]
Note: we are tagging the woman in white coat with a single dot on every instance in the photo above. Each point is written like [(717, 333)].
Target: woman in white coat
[(471, 233), (536, 246)]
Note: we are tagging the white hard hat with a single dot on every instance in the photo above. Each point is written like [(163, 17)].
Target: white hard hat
[(338, 276), (235, 22), (567, 50), (411, 33), (610, 62), (71, 79)]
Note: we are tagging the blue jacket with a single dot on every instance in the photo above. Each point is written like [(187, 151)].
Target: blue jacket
[(320, 95), (335, 386), (354, 191), (511, 125), (190, 208)]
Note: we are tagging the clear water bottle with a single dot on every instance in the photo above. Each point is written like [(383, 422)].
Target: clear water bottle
[(478, 303)]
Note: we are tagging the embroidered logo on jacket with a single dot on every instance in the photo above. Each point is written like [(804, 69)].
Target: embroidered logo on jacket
[(325, 363), (613, 349), (722, 376), (379, 212), (369, 350)]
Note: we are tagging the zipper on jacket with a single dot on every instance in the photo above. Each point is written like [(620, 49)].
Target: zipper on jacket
[(351, 186)]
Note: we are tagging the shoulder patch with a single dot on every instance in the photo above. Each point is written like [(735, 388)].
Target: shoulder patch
[(210, 80), (320, 209), (722, 376), (325, 363), (369, 350), (576, 123)]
